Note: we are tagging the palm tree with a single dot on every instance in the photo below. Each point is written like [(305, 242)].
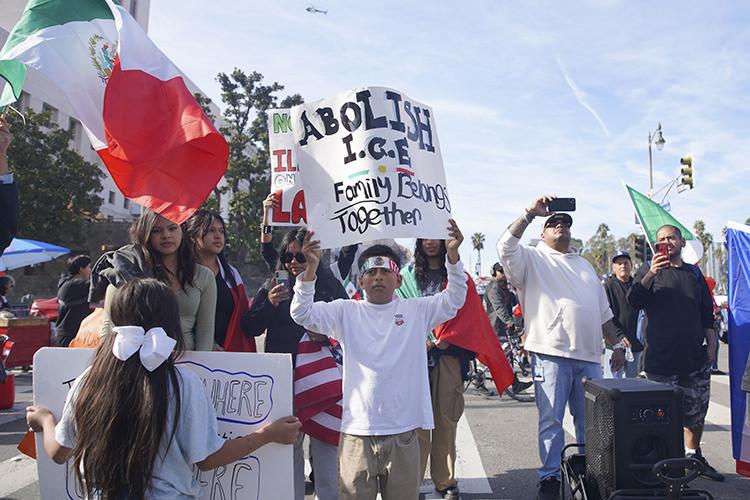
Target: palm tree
[(477, 241)]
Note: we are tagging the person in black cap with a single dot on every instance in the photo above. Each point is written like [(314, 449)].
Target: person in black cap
[(625, 316), (566, 314)]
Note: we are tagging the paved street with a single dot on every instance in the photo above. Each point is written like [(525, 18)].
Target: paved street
[(497, 448)]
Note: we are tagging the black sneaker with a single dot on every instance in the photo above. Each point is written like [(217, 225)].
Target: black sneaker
[(517, 386), (548, 489), (450, 493), (483, 390), (708, 471)]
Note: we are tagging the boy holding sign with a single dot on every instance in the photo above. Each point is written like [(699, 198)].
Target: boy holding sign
[(386, 391)]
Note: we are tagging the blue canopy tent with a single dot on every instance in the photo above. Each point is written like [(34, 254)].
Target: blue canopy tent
[(22, 253)]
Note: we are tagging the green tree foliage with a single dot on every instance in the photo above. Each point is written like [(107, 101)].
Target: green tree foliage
[(706, 239), (247, 99), (599, 249), (58, 189), (628, 244), (477, 242)]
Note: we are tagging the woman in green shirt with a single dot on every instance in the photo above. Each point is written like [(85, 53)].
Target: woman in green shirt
[(159, 250)]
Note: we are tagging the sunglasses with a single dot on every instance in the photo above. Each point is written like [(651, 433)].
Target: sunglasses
[(555, 224), (288, 257)]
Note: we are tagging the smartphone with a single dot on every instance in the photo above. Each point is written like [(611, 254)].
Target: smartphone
[(662, 248), (562, 205), (282, 278)]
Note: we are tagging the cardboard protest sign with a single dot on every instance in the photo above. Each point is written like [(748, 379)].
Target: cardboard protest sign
[(372, 167), (248, 391), (285, 171)]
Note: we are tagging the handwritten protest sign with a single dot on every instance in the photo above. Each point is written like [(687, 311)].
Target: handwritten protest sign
[(372, 167), (248, 390), (285, 171)]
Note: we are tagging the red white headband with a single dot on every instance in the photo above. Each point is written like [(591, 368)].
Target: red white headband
[(381, 262)]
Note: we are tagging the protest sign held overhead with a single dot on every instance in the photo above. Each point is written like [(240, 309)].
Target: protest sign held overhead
[(286, 184), (372, 167)]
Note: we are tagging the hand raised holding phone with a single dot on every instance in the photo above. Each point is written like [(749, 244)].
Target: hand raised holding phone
[(280, 290)]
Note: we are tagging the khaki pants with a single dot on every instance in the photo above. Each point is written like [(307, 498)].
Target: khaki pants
[(386, 463), (447, 390)]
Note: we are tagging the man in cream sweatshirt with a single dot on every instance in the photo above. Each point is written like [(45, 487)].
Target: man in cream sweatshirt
[(566, 314)]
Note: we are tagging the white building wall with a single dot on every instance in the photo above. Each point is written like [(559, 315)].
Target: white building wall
[(40, 92)]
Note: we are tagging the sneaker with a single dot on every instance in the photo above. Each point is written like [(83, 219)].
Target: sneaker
[(708, 471), (548, 489), (517, 386), (482, 389), (716, 371), (450, 493)]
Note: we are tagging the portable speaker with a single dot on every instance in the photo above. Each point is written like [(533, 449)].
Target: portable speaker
[(630, 425)]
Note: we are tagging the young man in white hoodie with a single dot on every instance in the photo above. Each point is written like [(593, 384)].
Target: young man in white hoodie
[(566, 313), (386, 389)]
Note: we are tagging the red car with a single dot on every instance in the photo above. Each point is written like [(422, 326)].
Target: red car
[(44, 308)]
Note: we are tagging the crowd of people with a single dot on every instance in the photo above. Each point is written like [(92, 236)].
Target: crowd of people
[(402, 384)]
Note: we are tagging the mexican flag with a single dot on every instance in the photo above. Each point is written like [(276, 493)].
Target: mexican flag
[(652, 216), (158, 145)]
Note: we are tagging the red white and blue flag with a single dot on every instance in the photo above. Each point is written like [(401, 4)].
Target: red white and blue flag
[(318, 390)]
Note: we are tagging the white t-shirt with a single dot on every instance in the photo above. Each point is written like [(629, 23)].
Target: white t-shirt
[(562, 298), (195, 439), (386, 390)]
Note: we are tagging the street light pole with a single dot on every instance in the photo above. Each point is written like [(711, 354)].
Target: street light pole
[(657, 138)]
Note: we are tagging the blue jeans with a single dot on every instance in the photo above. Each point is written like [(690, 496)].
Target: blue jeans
[(557, 383), (630, 370)]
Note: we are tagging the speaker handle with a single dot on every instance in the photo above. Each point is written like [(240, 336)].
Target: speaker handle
[(662, 467)]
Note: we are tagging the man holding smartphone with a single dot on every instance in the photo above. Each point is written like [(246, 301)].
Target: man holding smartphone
[(679, 310), (566, 313)]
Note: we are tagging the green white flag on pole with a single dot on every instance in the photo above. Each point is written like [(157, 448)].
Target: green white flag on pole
[(652, 216)]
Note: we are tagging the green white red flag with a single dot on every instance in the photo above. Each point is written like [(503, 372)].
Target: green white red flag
[(652, 216), (158, 145)]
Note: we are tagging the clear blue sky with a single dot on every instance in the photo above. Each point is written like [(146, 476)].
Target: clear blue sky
[(529, 97)]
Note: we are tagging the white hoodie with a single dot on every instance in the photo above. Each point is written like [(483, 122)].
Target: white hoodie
[(563, 301)]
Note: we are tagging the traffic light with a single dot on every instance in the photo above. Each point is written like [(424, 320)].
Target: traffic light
[(686, 172), (642, 249)]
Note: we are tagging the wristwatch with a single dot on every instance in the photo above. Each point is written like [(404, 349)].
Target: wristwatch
[(266, 229)]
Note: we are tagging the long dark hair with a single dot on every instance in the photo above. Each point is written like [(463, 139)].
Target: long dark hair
[(196, 228), (140, 232), (421, 264), (120, 412)]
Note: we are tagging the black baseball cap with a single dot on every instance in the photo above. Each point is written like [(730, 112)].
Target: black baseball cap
[(558, 217), (621, 253)]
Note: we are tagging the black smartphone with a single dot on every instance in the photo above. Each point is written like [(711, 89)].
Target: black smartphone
[(562, 205)]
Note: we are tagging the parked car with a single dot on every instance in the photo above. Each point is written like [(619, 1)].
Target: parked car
[(44, 308)]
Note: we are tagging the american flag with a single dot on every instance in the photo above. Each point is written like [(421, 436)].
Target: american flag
[(318, 390)]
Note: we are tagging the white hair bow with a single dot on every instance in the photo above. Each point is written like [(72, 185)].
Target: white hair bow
[(154, 345)]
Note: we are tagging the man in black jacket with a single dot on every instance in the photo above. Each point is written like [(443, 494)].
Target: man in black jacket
[(679, 310), (8, 192), (72, 298), (625, 315)]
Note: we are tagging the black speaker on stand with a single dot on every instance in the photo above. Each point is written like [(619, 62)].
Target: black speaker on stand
[(630, 425)]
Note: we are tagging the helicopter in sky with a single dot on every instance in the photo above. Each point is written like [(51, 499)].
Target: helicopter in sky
[(312, 10)]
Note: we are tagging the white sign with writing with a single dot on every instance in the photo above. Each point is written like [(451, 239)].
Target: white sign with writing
[(372, 167), (286, 184), (248, 391)]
